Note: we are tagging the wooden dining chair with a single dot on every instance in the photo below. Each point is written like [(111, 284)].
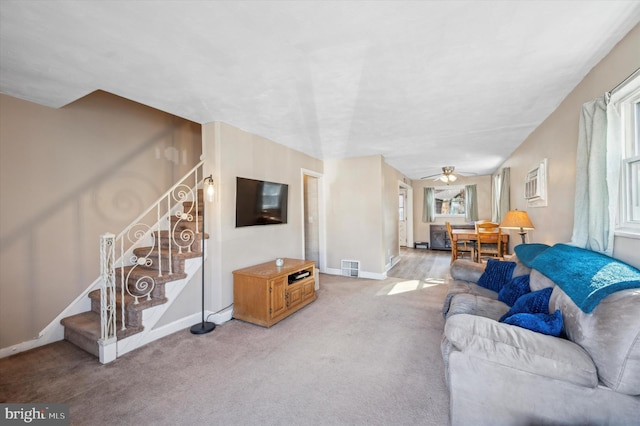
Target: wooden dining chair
[(462, 247), (489, 241)]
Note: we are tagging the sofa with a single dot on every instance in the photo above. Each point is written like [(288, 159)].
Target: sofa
[(578, 364)]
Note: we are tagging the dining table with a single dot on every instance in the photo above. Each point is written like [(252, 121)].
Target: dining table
[(471, 236)]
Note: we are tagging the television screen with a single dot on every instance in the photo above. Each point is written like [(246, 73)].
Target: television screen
[(260, 203)]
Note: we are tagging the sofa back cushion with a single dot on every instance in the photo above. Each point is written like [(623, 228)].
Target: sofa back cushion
[(538, 281), (610, 334)]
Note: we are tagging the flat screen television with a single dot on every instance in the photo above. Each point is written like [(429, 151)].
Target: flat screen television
[(260, 203)]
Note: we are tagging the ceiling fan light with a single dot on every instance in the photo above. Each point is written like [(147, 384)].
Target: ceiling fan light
[(452, 178), (444, 178)]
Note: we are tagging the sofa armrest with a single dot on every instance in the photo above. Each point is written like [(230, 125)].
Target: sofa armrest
[(521, 349), (465, 270)]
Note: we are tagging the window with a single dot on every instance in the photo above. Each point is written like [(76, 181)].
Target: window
[(450, 200), (401, 207), (627, 102)]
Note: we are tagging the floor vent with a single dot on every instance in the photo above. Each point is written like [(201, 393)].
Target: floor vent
[(350, 268)]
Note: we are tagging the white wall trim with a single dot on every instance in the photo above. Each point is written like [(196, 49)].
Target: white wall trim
[(408, 212), (363, 274), (321, 216)]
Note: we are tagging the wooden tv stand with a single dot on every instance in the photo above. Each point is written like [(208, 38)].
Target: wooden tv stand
[(264, 295)]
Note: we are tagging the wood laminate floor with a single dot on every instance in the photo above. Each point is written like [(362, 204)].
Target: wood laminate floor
[(421, 264)]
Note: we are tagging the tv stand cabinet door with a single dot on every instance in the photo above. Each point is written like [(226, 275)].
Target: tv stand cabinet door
[(278, 304)]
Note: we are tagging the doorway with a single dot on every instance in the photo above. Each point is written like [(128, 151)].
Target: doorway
[(402, 217), (313, 217), (405, 215)]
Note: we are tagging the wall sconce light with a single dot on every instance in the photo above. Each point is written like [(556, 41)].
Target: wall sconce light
[(517, 219), (204, 326), (209, 188)]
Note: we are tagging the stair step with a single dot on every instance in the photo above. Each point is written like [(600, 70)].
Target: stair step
[(133, 311), (148, 252), (84, 331), (178, 223), (189, 206), (185, 239)]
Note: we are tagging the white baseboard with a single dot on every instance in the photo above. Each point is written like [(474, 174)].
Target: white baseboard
[(363, 274), (178, 325)]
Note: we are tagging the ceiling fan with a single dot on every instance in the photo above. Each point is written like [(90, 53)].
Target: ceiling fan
[(447, 176)]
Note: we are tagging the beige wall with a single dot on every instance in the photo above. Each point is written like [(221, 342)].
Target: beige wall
[(354, 205), (362, 213), (231, 152), (421, 229), (556, 139), (66, 176), (390, 212)]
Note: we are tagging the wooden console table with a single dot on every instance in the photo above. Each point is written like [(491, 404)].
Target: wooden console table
[(265, 294)]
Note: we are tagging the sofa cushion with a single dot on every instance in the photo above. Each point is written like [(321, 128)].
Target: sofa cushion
[(477, 305), (464, 287), (537, 281), (521, 349), (550, 324), (496, 274), (515, 288), (536, 302), (610, 334), (527, 252), (465, 270)]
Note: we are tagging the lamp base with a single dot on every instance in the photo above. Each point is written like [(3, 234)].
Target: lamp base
[(203, 328), (522, 235)]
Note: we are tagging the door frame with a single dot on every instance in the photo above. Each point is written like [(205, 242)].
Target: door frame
[(408, 208), (322, 255)]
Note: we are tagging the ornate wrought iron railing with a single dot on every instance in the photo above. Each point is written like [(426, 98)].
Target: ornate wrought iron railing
[(142, 257)]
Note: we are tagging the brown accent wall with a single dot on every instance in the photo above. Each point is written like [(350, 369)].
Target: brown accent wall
[(66, 176)]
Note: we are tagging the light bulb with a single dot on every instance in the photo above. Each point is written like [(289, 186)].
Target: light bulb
[(210, 191)]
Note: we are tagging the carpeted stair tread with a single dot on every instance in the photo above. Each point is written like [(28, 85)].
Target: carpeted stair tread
[(146, 252), (141, 271), (143, 302), (85, 323)]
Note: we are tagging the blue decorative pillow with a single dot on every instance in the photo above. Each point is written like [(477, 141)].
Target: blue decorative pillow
[(550, 324), (536, 302), (496, 274), (527, 252), (515, 288)]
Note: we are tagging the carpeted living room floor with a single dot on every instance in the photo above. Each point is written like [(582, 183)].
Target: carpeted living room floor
[(366, 352)]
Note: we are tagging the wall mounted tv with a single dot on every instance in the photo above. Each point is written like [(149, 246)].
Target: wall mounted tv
[(260, 203)]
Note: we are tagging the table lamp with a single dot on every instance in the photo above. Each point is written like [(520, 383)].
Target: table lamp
[(517, 219)]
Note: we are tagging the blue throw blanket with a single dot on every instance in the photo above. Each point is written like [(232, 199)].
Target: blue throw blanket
[(586, 276)]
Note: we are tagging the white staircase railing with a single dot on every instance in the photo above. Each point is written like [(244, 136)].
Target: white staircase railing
[(141, 255)]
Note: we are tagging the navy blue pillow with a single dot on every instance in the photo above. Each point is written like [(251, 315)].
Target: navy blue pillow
[(515, 288), (536, 302), (496, 274), (550, 324)]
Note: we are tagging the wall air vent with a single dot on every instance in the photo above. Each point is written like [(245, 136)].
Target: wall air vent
[(535, 186), (350, 268)]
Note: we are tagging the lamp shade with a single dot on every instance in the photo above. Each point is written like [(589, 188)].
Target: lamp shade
[(516, 219)]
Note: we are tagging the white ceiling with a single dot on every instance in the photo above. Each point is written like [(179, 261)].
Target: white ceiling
[(423, 83)]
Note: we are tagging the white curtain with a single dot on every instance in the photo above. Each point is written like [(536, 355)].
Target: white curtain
[(501, 191), (429, 205), (471, 198), (597, 177)]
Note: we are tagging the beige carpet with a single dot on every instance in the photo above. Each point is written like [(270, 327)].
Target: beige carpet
[(366, 352)]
